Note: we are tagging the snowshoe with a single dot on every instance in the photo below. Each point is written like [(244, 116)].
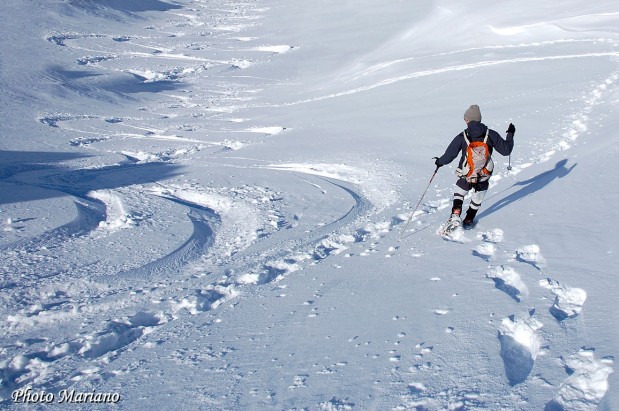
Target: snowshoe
[(452, 225)]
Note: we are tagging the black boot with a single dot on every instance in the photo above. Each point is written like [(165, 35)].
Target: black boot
[(470, 216), (457, 207)]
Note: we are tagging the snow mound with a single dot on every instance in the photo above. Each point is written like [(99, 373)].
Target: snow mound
[(568, 300), (117, 217), (206, 299), (279, 49), (267, 130), (508, 280), (484, 251), (520, 346), (587, 384), (492, 236), (531, 254)]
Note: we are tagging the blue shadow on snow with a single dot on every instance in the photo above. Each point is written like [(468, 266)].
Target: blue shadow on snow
[(44, 170), (94, 84), (127, 6), (530, 186)]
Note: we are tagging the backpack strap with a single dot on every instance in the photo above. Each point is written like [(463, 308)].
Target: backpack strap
[(468, 143)]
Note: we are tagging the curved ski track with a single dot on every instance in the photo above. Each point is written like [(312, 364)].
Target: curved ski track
[(168, 277)]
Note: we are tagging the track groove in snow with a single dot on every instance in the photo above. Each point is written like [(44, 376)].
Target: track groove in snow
[(451, 69)]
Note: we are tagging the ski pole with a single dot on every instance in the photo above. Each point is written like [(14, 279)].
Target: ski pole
[(417, 206), (513, 130)]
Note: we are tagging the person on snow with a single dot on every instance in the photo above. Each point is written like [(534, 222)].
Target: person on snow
[(476, 145)]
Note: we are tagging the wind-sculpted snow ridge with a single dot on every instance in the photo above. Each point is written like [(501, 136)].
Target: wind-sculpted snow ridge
[(442, 70), (126, 61), (375, 183)]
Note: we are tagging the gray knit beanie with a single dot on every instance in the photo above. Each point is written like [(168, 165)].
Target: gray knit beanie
[(472, 113)]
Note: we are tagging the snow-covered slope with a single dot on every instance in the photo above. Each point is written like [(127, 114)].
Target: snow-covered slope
[(203, 205)]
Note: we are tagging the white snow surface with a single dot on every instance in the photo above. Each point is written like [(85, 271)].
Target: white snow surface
[(204, 203)]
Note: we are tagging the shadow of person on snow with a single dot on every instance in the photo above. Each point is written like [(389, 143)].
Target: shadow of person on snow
[(530, 186)]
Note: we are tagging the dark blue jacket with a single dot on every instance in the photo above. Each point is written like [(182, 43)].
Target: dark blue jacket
[(476, 131)]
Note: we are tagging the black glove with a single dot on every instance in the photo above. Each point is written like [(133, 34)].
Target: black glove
[(511, 128), (436, 163)]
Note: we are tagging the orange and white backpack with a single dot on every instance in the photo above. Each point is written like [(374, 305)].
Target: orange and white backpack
[(478, 164)]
